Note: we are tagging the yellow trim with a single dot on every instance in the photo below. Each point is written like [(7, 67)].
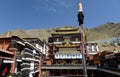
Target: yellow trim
[(66, 28), (75, 32)]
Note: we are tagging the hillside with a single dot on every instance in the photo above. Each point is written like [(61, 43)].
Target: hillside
[(104, 31), (101, 32), (41, 33), (36, 33)]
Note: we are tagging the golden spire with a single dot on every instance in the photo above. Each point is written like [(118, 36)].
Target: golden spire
[(8, 34)]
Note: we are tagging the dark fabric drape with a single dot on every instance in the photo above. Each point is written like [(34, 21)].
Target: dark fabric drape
[(80, 18)]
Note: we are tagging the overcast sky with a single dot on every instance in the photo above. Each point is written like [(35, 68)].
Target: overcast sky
[(42, 14)]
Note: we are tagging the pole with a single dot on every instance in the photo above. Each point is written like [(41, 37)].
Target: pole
[(83, 50), (81, 21)]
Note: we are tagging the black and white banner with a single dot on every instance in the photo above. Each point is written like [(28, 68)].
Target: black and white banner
[(68, 56)]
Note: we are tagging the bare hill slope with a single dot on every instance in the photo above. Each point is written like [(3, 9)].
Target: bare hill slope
[(101, 32), (104, 31)]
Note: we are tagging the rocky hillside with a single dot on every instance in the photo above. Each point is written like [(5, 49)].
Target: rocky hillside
[(101, 32), (40, 33), (104, 31)]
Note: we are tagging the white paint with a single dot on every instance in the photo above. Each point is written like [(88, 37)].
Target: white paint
[(68, 56)]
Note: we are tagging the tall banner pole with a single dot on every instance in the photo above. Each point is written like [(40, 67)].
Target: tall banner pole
[(81, 21)]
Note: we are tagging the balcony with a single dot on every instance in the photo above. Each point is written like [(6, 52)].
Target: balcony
[(68, 67)]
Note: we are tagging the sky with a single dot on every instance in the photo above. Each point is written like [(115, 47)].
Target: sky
[(45, 14)]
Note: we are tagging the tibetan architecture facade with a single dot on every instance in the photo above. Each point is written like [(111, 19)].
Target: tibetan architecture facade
[(64, 57), (21, 57), (66, 46), (61, 56)]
